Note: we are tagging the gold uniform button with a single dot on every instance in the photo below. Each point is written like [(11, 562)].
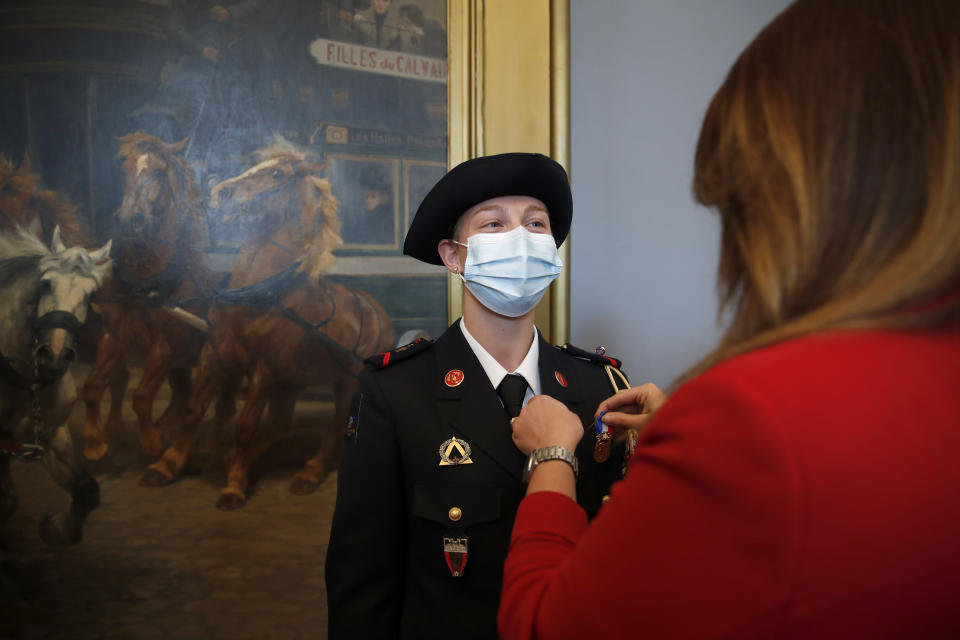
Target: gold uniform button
[(454, 514), (604, 499)]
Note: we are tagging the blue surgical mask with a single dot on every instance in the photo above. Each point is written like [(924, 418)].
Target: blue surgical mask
[(509, 272)]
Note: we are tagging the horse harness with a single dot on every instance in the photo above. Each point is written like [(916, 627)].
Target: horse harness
[(56, 319), (26, 451), (153, 291), (268, 294)]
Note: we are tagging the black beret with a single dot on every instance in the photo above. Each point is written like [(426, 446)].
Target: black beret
[(478, 180)]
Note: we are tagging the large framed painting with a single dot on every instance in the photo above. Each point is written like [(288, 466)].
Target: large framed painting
[(211, 197), (202, 212)]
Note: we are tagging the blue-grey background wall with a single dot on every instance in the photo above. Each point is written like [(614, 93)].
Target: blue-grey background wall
[(643, 254)]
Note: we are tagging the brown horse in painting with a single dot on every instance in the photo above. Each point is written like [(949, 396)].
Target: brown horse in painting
[(23, 204), (157, 259), (281, 324)]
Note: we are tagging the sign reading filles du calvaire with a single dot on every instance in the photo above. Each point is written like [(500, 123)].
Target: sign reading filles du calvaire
[(392, 63)]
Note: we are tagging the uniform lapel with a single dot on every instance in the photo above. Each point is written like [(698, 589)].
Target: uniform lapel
[(572, 394), (472, 408), (553, 375)]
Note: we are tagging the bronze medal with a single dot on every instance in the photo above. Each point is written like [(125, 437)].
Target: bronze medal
[(601, 450)]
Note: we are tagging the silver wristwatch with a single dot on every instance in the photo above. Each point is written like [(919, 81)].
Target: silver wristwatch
[(550, 453)]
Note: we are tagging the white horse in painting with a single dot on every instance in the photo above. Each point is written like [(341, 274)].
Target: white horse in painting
[(44, 300)]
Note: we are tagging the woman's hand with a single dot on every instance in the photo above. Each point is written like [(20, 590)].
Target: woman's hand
[(546, 422), (631, 408)]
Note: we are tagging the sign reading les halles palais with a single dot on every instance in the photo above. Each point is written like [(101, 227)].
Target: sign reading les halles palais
[(392, 63)]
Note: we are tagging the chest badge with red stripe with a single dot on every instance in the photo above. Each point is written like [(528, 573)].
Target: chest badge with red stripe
[(455, 552), (453, 378), (560, 379)]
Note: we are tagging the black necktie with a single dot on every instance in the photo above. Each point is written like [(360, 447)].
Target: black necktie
[(512, 389)]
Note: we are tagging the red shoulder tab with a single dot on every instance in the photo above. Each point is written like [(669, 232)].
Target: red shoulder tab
[(592, 356), (385, 359)]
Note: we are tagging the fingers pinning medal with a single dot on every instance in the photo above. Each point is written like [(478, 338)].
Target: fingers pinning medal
[(601, 450)]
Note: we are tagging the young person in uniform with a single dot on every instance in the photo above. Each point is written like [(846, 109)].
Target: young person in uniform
[(430, 479)]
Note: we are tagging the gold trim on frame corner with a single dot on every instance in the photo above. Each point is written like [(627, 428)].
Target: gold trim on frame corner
[(464, 103), (560, 151), (495, 105)]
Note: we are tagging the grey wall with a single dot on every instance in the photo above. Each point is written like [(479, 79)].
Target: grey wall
[(643, 254)]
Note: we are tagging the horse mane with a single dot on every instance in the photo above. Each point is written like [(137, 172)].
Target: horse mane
[(23, 250), (76, 260), (281, 147), (184, 191), (19, 254), (13, 269), (24, 203), (323, 209), (21, 244), (320, 208)]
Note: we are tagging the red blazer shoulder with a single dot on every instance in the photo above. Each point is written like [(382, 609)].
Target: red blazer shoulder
[(803, 490), (865, 426)]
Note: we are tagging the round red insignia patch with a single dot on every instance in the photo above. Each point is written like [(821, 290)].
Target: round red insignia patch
[(453, 378), (560, 379)]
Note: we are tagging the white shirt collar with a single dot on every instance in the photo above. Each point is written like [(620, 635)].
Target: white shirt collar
[(529, 368)]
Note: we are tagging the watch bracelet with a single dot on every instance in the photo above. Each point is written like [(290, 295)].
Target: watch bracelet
[(545, 454)]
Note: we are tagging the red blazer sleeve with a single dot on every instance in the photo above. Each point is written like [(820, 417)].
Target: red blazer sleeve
[(696, 541)]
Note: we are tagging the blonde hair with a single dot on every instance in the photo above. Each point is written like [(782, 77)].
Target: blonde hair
[(832, 153)]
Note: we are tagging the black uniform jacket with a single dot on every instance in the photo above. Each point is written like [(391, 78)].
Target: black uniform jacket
[(386, 573)]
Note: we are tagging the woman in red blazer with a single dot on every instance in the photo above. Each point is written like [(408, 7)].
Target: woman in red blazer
[(804, 481)]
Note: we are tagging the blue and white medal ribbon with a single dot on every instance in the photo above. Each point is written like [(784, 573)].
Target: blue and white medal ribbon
[(601, 450)]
